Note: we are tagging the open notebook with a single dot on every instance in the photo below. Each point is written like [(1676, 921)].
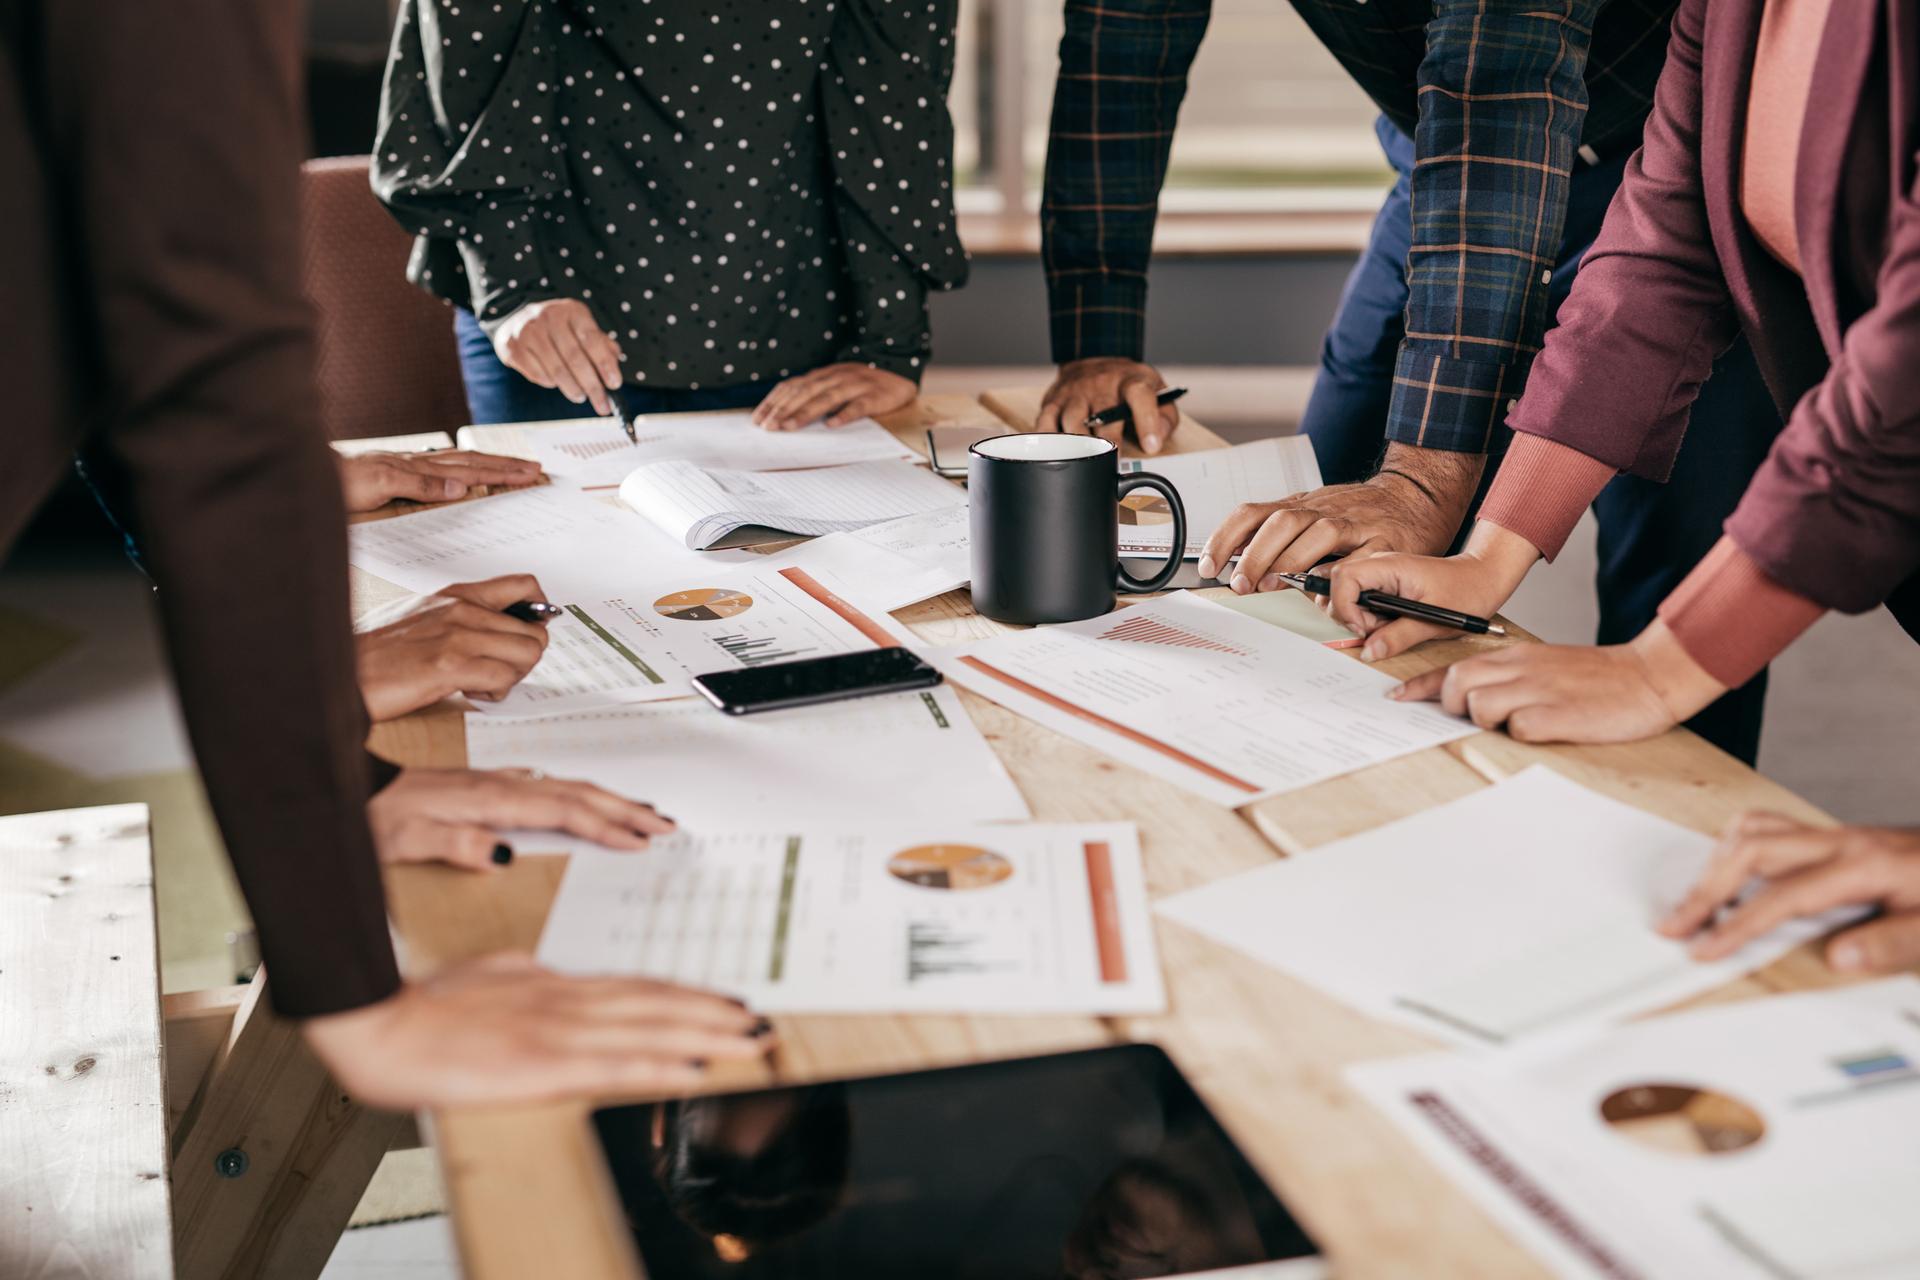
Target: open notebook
[(701, 506)]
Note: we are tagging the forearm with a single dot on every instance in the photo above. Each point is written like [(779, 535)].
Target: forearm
[(1123, 74), (1445, 479)]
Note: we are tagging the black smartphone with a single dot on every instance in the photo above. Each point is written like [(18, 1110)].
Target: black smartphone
[(809, 680)]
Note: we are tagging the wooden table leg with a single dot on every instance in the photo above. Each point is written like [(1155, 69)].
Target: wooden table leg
[(270, 1156)]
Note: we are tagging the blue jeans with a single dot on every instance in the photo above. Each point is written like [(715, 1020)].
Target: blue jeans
[(1651, 535), (496, 393)]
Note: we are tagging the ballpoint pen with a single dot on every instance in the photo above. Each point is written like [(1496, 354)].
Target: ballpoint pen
[(1120, 412), (533, 610), (625, 418), (1397, 607)]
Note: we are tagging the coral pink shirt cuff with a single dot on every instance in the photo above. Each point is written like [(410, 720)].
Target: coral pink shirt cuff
[(1733, 619), (1542, 488)]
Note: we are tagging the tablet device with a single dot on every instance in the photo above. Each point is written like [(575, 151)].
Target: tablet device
[(1079, 1166)]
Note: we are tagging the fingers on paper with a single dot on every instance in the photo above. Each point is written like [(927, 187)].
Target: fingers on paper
[(498, 593)]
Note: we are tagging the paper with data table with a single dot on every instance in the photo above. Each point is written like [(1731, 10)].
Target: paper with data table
[(574, 543), (1228, 706), (645, 641), (895, 564), (915, 917), (596, 454), (699, 506), (1758, 1140), (899, 755), (1525, 907), (1211, 483)]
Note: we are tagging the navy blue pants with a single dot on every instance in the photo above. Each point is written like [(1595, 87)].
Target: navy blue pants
[(496, 393), (1651, 535)]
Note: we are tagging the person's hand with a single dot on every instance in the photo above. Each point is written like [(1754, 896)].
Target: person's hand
[(1807, 870), (557, 343), (1414, 504), (1479, 580), (838, 393), (500, 1029), (455, 815), (1573, 693), (372, 480), (1085, 387), (457, 641)]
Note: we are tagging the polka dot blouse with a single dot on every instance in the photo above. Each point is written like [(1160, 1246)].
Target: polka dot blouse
[(741, 190)]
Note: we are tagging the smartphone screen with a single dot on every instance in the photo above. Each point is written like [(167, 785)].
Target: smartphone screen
[(811, 680)]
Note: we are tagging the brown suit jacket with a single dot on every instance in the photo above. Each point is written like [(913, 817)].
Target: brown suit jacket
[(148, 240), (1834, 513)]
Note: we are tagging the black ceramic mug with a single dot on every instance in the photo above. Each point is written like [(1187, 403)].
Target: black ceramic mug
[(1046, 532)]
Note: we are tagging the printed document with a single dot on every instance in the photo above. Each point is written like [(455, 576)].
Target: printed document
[(920, 917), (1522, 908), (595, 453), (896, 564), (1211, 483), (645, 641), (909, 755), (1228, 706), (1758, 1140), (699, 506), (573, 543)]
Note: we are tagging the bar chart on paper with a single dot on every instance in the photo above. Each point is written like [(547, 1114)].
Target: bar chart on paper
[(973, 918)]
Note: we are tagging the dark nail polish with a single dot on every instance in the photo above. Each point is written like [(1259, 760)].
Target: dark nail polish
[(736, 1002), (698, 1064), (502, 854), (761, 1028)]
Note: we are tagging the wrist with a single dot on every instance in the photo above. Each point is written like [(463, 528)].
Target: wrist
[(1446, 480), (1504, 556), (1682, 684)]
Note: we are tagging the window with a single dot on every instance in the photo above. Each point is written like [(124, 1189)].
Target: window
[(1270, 122)]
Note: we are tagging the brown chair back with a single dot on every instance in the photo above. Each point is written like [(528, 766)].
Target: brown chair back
[(386, 350)]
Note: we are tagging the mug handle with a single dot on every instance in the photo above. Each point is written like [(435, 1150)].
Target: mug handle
[(1178, 553)]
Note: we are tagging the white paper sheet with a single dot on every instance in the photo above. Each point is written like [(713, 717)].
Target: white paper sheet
[(1522, 908), (645, 641), (573, 543), (595, 453), (913, 755), (699, 505), (1211, 483), (1230, 707), (895, 564), (1752, 1141), (914, 917)]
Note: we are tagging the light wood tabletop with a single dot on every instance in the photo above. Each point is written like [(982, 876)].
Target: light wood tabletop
[(528, 1190)]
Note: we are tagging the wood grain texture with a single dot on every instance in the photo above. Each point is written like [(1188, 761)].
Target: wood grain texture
[(83, 1111), (1267, 1052)]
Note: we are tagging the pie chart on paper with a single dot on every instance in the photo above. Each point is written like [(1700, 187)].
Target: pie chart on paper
[(949, 866), (703, 604)]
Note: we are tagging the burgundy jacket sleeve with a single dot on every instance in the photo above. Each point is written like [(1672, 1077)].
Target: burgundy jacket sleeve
[(1834, 512), (1649, 311), (174, 132)]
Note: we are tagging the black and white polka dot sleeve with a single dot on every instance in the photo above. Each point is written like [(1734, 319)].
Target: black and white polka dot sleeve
[(469, 154), (890, 141)]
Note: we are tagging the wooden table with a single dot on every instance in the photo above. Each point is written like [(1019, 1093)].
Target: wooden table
[(529, 1193)]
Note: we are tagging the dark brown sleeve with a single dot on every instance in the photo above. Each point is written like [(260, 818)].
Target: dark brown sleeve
[(177, 132)]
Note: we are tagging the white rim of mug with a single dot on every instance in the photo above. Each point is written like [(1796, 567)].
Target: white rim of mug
[(1095, 446)]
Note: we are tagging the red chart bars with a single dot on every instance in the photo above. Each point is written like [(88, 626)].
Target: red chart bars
[(1152, 631)]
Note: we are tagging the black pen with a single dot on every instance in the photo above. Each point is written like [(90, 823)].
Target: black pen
[(1120, 412), (625, 418), (1396, 607), (533, 611)]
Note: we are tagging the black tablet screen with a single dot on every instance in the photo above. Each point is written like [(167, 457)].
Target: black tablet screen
[(1080, 1166)]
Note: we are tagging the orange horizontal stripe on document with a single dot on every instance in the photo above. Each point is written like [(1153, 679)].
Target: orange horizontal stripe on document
[(1131, 735), (859, 621)]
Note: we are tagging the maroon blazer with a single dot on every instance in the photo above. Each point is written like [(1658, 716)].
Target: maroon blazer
[(149, 249), (1676, 274)]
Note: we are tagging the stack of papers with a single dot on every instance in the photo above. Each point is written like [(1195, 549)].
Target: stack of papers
[(1523, 908), (698, 506), (1767, 1139), (596, 454), (919, 916), (898, 563), (1227, 706)]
